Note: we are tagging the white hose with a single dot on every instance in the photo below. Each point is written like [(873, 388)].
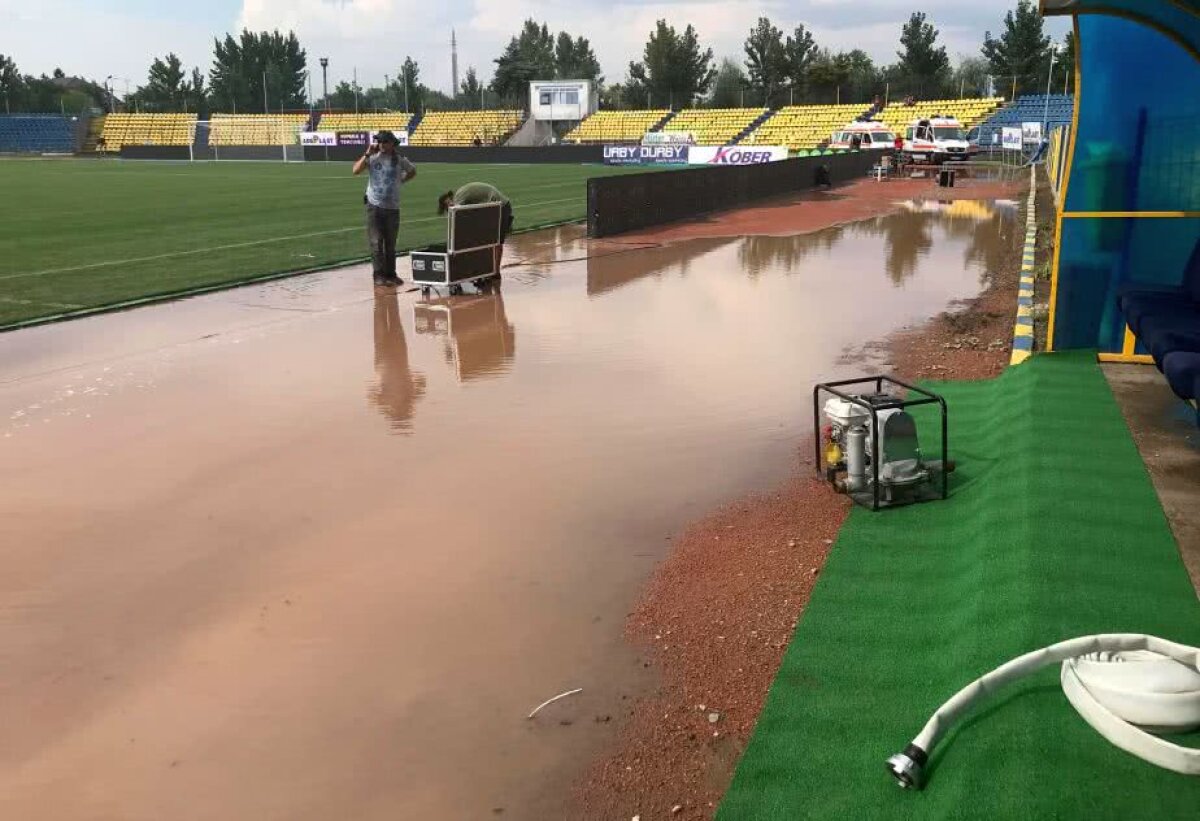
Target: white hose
[(1122, 684)]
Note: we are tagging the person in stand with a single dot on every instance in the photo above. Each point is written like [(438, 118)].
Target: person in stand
[(387, 171), (478, 193)]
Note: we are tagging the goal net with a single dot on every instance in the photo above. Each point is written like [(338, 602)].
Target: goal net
[(248, 137)]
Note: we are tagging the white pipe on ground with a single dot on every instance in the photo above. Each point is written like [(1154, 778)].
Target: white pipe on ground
[(1119, 683)]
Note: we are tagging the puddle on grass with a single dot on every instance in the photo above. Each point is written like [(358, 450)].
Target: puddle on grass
[(306, 550)]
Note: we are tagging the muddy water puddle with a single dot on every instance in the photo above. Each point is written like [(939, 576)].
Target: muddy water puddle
[(301, 551)]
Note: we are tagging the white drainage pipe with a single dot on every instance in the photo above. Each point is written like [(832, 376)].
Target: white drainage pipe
[(1125, 685)]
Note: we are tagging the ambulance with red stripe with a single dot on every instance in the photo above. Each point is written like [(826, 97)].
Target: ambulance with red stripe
[(936, 139), (870, 134)]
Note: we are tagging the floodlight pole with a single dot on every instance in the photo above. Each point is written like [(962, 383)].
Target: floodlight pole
[(1049, 80), (266, 109), (324, 61)]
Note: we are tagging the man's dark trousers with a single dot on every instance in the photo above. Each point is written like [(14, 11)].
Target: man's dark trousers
[(383, 224)]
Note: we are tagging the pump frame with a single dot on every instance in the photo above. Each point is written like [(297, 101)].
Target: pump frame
[(925, 398)]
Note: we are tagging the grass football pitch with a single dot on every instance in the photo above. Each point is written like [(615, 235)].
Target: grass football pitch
[(86, 234)]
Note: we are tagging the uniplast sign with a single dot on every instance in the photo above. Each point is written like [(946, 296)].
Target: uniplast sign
[(645, 154), (318, 138), (736, 154)]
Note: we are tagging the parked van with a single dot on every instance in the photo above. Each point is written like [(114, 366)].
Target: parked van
[(872, 136), (936, 139)]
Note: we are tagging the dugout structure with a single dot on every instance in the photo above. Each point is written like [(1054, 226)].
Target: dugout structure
[(1127, 171)]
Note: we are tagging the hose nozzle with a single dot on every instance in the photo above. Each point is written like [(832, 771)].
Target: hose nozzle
[(908, 767)]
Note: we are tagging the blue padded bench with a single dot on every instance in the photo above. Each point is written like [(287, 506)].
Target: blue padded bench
[(1166, 318)]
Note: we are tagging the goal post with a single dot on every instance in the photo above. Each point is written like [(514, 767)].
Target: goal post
[(247, 137)]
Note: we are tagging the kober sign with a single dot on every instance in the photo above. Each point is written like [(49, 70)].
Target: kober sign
[(736, 154)]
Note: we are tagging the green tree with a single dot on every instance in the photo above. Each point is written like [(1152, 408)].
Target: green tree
[(922, 63), (471, 89), (673, 70), (1066, 62), (528, 57), (846, 77), (799, 52), (240, 68), (12, 85), (197, 95), (1020, 56), (971, 77), (766, 61), (412, 93), (728, 85), (166, 87), (574, 59), (344, 96)]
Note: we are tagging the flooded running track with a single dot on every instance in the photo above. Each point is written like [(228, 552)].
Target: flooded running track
[(303, 551)]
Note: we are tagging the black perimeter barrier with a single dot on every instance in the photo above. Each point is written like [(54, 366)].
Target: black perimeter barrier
[(469, 154), (631, 201)]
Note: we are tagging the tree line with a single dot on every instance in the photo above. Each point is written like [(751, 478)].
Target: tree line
[(258, 72)]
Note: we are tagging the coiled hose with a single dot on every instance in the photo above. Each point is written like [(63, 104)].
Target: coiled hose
[(1125, 685)]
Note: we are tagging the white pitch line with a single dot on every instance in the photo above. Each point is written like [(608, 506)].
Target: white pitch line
[(231, 246)]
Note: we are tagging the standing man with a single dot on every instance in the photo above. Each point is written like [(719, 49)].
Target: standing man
[(387, 171)]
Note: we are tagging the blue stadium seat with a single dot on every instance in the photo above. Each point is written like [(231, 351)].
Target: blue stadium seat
[(1165, 318), (37, 133), (1030, 108), (1182, 369)]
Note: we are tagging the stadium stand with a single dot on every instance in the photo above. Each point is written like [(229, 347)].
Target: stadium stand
[(1031, 108), (803, 126), (463, 127), (42, 133), (147, 129), (970, 112), (255, 129), (394, 121), (616, 126), (714, 126)]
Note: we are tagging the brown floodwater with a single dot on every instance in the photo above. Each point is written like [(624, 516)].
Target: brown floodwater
[(301, 551)]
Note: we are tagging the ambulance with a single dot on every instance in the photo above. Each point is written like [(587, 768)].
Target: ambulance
[(872, 136), (936, 139)]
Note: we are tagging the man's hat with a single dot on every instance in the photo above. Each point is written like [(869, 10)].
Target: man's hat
[(386, 136)]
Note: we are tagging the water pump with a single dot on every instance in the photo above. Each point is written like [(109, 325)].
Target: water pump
[(869, 447)]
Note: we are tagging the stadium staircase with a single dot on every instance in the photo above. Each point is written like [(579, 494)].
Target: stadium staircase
[(661, 124), (94, 129), (750, 129), (200, 141), (1031, 108), (414, 122)]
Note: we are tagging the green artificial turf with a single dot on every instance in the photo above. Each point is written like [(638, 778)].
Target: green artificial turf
[(89, 233), (1053, 531)]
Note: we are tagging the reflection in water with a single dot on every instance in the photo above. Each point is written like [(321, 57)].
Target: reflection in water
[(613, 264), (480, 341), (908, 238), (398, 388)]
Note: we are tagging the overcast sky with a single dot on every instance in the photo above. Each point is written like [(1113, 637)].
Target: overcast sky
[(97, 38)]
